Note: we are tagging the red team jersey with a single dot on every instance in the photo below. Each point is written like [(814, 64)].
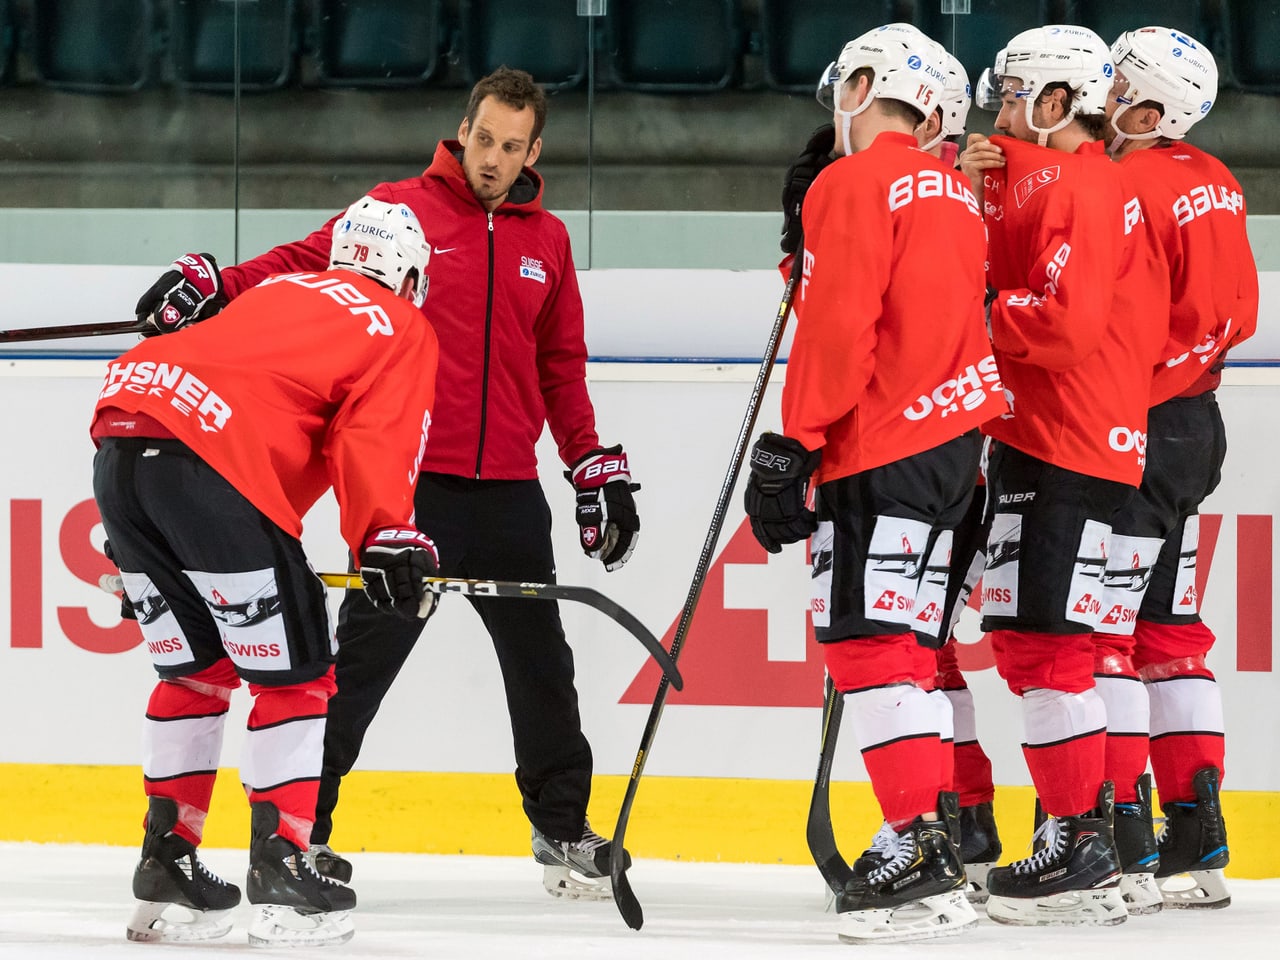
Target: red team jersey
[(1197, 211), (305, 382), (1082, 311), (890, 357)]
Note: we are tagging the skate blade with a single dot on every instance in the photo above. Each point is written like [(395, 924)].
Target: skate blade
[(1195, 890), (829, 902), (976, 891), (279, 926), (942, 915), (1141, 895), (1100, 907), (174, 923), (564, 883)]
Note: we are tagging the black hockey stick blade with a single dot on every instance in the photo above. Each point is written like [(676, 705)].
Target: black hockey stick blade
[(73, 330), (623, 896), (818, 830), (540, 591)]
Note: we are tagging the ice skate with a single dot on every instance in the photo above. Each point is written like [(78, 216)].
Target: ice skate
[(179, 898), (1136, 848), (1193, 849), (1072, 879), (295, 905), (915, 892), (980, 848), (576, 869), (329, 864)]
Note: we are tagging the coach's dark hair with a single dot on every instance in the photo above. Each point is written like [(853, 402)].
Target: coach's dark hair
[(516, 89)]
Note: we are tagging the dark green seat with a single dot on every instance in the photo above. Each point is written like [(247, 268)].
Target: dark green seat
[(377, 43), (675, 46), (93, 46), (1254, 29), (202, 44), (547, 38), (799, 39), (976, 37)]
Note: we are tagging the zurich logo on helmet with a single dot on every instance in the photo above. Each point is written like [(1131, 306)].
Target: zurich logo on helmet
[(1107, 69), (1177, 51), (913, 62), (1204, 107)]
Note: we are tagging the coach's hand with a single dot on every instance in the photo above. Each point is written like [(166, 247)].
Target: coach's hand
[(608, 525), (190, 290), (777, 490), (394, 562)]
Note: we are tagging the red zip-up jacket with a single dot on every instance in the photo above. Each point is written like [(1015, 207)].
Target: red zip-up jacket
[(504, 301), (890, 357), (1082, 311), (1197, 210), (339, 395)]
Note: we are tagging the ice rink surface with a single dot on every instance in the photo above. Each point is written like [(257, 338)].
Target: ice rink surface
[(72, 902)]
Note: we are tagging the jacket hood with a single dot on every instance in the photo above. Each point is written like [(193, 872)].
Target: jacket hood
[(525, 195)]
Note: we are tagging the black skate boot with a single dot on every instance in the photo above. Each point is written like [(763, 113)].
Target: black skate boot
[(296, 906), (577, 869), (170, 874), (329, 864), (916, 892), (1073, 878), (980, 848), (886, 838), (1193, 849), (1136, 848)]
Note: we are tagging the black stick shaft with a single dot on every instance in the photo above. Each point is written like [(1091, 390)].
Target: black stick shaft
[(623, 896), (73, 330)]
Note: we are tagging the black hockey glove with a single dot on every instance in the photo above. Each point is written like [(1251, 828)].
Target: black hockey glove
[(800, 175), (608, 525), (777, 489), (190, 290), (394, 562)]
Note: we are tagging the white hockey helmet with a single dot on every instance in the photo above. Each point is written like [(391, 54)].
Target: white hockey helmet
[(1058, 53), (383, 241), (906, 65), (956, 97), (1169, 68)]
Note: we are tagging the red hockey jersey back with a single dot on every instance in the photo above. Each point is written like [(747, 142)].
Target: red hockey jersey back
[(1082, 310), (1197, 210), (890, 357), (306, 381)]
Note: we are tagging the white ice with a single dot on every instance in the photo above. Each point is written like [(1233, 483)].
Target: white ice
[(71, 903)]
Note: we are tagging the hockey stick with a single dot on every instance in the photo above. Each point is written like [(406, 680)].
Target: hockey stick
[(818, 830), (73, 330), (623, 895), (501, 588), (540, 591)]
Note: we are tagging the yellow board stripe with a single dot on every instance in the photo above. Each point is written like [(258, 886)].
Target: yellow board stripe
[(674, 818)]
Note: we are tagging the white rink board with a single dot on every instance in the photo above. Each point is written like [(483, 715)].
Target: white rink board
[(67, 704)]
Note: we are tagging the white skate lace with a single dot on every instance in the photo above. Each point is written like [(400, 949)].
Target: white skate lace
[(886, 839), (590, 841), (1054, 837), (898, 851), (191, 863)]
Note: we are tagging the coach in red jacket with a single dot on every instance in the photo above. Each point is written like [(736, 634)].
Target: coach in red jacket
[(504, 301)]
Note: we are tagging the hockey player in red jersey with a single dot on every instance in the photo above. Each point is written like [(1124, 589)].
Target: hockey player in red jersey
[(889, 376), (1151, 629), (213, 444), (1076, 319)]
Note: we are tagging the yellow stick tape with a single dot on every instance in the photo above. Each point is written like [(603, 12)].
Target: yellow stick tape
[(675, 818)]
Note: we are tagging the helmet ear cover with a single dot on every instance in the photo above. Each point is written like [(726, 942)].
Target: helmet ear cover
[(383, 241)]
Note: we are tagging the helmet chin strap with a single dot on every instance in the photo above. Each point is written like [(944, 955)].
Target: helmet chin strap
[(1042, 136), (1121, 136), (846, 116)]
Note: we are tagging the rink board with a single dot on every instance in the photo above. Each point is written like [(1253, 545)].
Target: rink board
[(739, 743)]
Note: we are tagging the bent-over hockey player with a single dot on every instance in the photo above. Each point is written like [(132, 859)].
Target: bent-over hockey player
[(889, 377), (1151, 629), (1077, 317), (212, 445)]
